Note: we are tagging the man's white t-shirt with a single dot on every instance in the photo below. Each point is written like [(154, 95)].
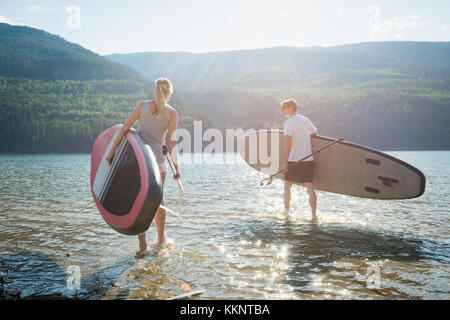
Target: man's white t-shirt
[(300, 128)]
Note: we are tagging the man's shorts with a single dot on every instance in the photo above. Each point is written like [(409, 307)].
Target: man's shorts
[(302, 173)]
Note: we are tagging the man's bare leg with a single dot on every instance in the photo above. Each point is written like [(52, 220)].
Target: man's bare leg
[(287, 195), (312, 199)]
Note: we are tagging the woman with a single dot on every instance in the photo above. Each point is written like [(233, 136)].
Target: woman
[(156, 119)]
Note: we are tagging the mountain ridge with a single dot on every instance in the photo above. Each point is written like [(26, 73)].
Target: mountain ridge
[(229, 65)]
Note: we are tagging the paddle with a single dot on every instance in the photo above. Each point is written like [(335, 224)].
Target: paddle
[(172, 167), (270, 178)]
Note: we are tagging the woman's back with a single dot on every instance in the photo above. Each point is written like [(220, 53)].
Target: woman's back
[(153, 129)]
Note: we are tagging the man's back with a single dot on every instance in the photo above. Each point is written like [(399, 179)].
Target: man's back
[(300, 128)]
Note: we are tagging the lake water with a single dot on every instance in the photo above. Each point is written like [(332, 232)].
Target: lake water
[(229, 240)]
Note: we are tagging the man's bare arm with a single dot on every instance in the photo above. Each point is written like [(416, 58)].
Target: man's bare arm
[(287, 149)]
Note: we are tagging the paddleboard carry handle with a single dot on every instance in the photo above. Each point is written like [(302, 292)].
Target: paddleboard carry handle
[(273, 176), (166, 152)]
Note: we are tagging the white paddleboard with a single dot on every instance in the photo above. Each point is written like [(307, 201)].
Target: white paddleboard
[(344, 168)]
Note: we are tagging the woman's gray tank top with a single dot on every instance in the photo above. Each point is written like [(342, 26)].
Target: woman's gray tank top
[(153, 129)]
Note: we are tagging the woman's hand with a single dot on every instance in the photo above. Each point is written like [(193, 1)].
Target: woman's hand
[(177, 175), (110, 157)]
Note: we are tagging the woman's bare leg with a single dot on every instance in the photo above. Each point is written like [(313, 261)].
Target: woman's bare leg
[(160, 218), (142, 243)]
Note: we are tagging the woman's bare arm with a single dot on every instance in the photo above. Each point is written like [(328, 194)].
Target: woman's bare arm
[(126, 126), (172, 140)]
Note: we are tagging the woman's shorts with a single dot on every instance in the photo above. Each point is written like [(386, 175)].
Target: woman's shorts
[(162, 166), (303, 172)]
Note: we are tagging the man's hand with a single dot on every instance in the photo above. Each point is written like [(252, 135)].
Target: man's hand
[(177, 176)]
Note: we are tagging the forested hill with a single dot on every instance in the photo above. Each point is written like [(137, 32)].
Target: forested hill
[(56, 96), (35, 54), (278, 65), (388, 95), (436, 54)]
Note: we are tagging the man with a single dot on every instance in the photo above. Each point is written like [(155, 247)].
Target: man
[(298, 131)]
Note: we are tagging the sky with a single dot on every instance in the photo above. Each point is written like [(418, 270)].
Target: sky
[(110, 26)]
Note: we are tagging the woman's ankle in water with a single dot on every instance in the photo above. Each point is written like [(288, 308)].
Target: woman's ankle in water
[(161, 239), (142, 245)]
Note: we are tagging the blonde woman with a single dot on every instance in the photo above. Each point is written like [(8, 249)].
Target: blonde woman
[(156, 119)]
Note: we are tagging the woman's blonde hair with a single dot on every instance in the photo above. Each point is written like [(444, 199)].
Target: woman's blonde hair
[(163, 87)]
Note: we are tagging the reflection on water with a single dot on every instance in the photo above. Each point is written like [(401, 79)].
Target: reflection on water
[(228, 241)]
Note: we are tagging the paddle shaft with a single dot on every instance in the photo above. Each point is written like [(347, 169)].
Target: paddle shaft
[(172, 167), (270, 178)]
